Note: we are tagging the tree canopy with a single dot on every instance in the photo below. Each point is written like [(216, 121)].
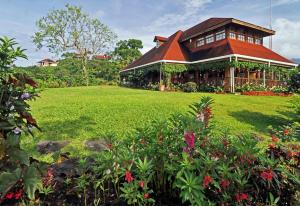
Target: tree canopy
[(70, 30), (127, 51)]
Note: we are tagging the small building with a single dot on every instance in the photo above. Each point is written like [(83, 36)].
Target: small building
[(221, 52), (47, 63)]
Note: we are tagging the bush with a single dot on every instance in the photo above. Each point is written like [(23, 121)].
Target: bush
[(294, 82), (19, 175), (179, 160), (189, 87), (279, 89)]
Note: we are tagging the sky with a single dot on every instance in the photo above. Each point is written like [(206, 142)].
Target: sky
[(143, 19)]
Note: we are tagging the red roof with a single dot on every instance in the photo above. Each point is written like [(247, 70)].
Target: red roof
[(173, 49), (47, 60), (102, 57), (160, 38), (170, 50)]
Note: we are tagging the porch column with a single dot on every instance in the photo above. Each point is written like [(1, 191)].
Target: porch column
[(232, 80), (264, 77)]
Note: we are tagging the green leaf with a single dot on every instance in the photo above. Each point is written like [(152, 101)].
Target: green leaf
[(18, 155), (8, 180), (13, 140), (31, 181)]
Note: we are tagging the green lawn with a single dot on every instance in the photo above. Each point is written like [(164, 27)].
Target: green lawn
[(82, 113)]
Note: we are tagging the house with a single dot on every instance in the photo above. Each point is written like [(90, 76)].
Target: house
[(223, 52), (102, 57), (47, 63)]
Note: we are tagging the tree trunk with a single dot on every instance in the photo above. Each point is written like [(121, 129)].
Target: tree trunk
[(85, 70)]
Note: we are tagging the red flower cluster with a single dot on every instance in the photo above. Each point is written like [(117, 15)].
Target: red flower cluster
[(190, 139), (128, 176), (286, 132), (224, 183), (275, 139), (146, 196), (14, 195), (240, 197), (49, 177), (267, 175), (265, 93), (207, 180)]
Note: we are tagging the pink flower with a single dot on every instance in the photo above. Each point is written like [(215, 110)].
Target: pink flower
[(286, 132), (190, 139), (128, 176), (9, 195), (207, 180), (146, 196), (275, 139), (142, 184)]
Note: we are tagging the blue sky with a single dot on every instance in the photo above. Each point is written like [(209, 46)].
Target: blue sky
[(143, 19)]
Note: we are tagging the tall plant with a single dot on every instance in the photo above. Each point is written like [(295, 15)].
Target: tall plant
[(18, 177)]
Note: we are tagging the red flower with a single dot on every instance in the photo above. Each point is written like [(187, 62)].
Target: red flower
[(272, 146), (241, 196), (146, 196), (143, 141), (18, 194), (286, 132), (207, 180), (190, 139), (109, 146), (9, 195), (142, 184), (128, 176), (224, 183), (225, 143), (267, 175), (275, 139)]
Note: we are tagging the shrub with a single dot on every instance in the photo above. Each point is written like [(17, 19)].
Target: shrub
[(19, 177), (279, 89), (294, 82), (179, 160), (189, 87)]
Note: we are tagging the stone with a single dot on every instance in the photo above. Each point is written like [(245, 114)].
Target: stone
[(96, 144), (45, 147)]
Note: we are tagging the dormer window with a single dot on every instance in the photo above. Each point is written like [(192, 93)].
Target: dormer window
[(220, 35), (258, 41), (250, 40), (200, 42), (241, 37), (232, 35), (209, 39)]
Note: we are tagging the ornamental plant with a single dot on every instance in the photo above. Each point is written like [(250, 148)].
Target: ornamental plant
[(19, 177)]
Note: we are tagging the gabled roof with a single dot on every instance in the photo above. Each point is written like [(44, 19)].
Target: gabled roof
[(160, 38), (170, 50), (232, 46)]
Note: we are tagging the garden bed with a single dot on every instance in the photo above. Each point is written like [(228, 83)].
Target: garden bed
[(266, 93)]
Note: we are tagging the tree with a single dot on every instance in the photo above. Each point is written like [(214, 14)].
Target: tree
[(127, 51), (70, 30)]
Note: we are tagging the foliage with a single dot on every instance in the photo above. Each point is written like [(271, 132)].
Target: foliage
[(250, 87), (189, 87), (127, 51), (180, 159), (294, 82), (68, 30), (19, 177), (68, 73)]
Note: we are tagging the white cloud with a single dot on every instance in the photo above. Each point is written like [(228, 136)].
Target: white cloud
[(189, 12), (286, 40), (282, 2)]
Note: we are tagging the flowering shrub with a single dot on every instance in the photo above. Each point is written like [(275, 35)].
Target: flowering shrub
[(179, 162), (18, 175)]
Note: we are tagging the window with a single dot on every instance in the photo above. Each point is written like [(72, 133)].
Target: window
[(200, 42), (232, 35), (250, 40), (258, 41), (241, 37), (220, 35), (209, 38)]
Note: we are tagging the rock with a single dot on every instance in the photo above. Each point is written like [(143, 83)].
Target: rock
[(96, 144), (45, 147), (67, 168)]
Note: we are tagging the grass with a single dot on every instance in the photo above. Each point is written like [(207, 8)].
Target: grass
[(82, 113)]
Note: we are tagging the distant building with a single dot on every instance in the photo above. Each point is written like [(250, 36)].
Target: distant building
[(102, 57), (47, 63)]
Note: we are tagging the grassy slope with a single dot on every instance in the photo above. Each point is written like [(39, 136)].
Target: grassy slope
[(82, 113)]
